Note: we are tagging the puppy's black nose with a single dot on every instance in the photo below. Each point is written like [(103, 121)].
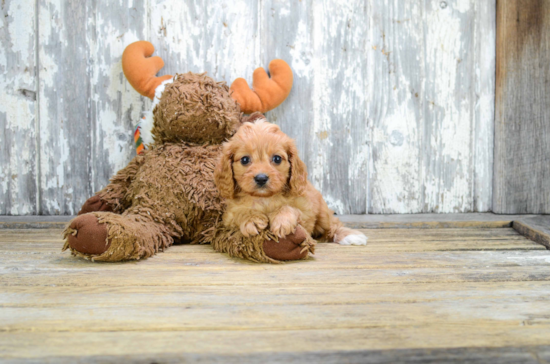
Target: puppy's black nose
[(261, 179)]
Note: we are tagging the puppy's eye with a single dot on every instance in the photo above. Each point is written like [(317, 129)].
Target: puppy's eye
[(277, 159), (245, 160)]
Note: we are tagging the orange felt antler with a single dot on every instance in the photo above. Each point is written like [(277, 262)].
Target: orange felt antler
[(268, 92), (140, 68)]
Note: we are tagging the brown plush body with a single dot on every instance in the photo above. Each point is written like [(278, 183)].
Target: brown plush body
[(168, 194)]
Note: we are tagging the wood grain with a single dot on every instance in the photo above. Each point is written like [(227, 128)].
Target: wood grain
[(285, 33), (64, 94), (87, 108), (392, 105), (18, 108), (440, 344), (431, 111), (522, 123), (535, 228), (193, 303), (483, 96), (115, 107), (479, 355), (337, 130), (325, 47), (228, 317), (197, 36), (244, 296)]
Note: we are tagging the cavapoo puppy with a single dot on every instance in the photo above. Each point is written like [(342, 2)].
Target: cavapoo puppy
[(265, 185)]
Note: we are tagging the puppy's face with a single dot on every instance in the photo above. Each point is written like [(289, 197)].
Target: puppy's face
[(262, 161)]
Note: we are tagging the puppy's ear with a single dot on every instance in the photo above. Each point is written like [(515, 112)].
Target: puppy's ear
[(298, 171), (223, 174)]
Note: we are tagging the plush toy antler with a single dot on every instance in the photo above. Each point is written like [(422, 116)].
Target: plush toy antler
[(268, 92), (140, 68)]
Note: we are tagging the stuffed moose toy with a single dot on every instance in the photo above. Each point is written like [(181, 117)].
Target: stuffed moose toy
[(166, 194)]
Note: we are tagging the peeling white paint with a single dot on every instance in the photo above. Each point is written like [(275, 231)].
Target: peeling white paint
[(219, 38), (393, 101), (334, 204), (434, 169), (462, 6), (19, 28), (451, 144), (17, 109), (300, 52)]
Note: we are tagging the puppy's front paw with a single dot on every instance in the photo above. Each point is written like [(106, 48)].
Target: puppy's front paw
[(283, 225), (252, 225)]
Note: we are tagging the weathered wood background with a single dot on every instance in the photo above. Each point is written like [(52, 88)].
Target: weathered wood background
[(522, 123), (392, 105)]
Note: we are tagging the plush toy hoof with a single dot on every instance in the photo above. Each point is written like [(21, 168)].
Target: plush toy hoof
[(87, 236), (289, 247), (93, 204)]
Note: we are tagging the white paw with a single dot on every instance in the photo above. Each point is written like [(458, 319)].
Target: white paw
[(354, 239)]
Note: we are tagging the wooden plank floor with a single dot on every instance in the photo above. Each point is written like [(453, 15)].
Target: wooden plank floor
[(410, 294)]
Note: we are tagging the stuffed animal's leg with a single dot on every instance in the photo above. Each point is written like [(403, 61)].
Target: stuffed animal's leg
[(264, 247), (113, 197), (105, 236)]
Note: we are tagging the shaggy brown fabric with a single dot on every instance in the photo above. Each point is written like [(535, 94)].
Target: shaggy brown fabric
[(115, 194), (232, 242), (86, 235), (131, 237), (168, 193), (195, 109), (171, 196), (94, 203)]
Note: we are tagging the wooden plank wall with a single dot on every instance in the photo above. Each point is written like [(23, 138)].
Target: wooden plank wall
[(522, 124), (392, 106), (18, 109)]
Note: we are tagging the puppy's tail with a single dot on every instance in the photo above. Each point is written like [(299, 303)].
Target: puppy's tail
[(345, 236)]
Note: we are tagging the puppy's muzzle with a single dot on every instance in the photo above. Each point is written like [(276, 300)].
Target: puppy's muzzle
[(261, 179)]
